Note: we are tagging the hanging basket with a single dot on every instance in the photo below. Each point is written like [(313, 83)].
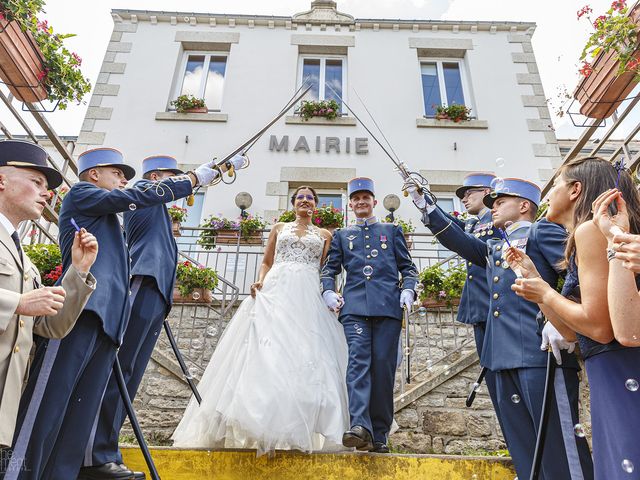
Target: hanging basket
[(604, 90), (21, 64)]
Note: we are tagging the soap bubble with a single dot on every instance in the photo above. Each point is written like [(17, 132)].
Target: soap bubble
[(212, 331), (132, 206), (497, 184), (631, 384), (374, 253), (627, 465), (422, 312), (367, 270), (195, 295), (578, 429), (515, 398), (500, 162)]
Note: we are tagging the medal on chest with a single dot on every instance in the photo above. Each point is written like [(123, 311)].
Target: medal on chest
[(383, 242)]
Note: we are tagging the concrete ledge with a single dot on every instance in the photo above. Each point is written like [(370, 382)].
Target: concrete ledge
[(339, 121), (433, 123), (176, 464), (192, 117)]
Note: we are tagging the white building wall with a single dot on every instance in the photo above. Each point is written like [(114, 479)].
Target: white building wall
[(142, 65)]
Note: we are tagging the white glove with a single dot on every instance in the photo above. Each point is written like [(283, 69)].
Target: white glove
[(238, 161), (332, 300), (406, 298), (418, 199), (205, 173), (551, 336)]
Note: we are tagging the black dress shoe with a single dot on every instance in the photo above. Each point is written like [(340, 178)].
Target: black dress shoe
[(379, 447), (136, 475), (110, 470), (358, 437)]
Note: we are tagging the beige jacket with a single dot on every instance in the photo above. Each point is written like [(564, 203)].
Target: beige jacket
[(16, 331)]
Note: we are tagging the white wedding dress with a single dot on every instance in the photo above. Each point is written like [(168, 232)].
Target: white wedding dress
[(277, 377)]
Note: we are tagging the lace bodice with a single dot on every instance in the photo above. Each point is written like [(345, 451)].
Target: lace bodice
[(306, 249)]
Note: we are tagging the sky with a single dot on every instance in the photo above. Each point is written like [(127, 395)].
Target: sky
[(557, 42)]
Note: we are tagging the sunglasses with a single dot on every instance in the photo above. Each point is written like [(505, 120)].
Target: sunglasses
[(471, 191), (305, 197)]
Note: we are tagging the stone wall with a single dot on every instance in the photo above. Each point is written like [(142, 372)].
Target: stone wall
[(436, 422)]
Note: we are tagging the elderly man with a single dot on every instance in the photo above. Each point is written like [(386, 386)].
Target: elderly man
[(25, 306)]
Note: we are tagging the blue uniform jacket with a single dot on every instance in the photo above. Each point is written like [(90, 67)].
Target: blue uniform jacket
[(377, 294), (95, 209), (474, 302), (512, 338), (152, 247)]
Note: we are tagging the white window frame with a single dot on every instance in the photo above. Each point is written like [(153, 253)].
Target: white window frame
[(466, 87), (205, 68), (321, 88)]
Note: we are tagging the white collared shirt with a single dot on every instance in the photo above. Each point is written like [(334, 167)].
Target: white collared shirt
[(8, 226)]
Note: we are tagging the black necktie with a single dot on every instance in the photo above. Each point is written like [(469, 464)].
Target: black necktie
[(16, 240)]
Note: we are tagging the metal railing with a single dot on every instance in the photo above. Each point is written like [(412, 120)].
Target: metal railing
[(435, 337)]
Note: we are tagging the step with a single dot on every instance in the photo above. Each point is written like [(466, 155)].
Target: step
[(178, 464)]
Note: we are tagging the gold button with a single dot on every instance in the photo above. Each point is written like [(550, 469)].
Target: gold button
[(499, 247), (490, 232), (366, 246), (498, 262), (366, 236), (368, 278), (470, 263), (21, 323), (496, 279), (366, 228), (496, 313), (26, 277), (368, 256), (495, 296), (16, 349), (470, 277), (477, 235)]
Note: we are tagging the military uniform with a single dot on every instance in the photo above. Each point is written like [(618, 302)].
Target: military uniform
[(511, 346), (153, 268), (70, 376), (374, 255), (18, 276)]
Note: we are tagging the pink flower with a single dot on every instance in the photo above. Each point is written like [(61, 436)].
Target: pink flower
[(618, 4), (43, 26), (77, 58), (586, 69), (584, 11), (442, 294), (633, 64), (599, 21)]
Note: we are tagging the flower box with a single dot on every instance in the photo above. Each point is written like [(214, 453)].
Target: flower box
[(439, 303), (198, 295), (231, 237), (175, 229), (196, 110), (409, 239), (604, 89), (21, 63)]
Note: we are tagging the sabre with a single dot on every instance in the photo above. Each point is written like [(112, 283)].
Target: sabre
[(246, 146), (183, 366), (410, 178), (474, 388), (544, 416), (407, 341)]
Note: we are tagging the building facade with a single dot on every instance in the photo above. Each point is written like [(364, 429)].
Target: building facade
[(392, 73)]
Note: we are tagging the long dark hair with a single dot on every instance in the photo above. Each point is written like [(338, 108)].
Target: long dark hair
[(596, 176), (304, 187)]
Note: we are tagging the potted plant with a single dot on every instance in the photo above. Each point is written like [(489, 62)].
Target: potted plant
[(34, 62), (610, 60), (455, 113), (407, 229), (326, 217), (219, 229), (177, 215), (46, 213), (286, 216), (328, 109), (48, 260), (442, 287), (194, 283), (189, 104)]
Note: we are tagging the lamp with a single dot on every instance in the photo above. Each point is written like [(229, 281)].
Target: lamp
[(243, 202), (391, 202)]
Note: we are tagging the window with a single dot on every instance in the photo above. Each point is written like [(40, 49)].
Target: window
[(207, 85), (443, 84), (325, 199), (326, 74)]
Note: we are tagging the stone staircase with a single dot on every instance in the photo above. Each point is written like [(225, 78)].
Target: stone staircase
[(176, 464)]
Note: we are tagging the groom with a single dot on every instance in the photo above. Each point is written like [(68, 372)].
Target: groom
[(374, 255)]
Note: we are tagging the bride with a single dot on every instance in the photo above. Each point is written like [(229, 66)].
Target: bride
[(277, 377)]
